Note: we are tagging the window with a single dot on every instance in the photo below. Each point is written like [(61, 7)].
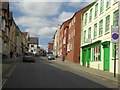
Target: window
[(90, 15), (84, 36), (101, 27), (70, 24), (86, 18), (95, 30), (116, 18), (107, 23), (108, 3), (96, 53), (32, 45), (7, 31), (3, 25), (74, 19), (101, 6), (89, 33), (96, 10)]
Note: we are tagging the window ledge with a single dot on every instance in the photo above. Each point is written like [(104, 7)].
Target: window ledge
[(106, 33), (100, 36), (115, 2), (101, 12), (107, 8)]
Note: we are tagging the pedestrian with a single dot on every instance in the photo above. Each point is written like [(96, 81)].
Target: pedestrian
[(63, 58), (11, 54)]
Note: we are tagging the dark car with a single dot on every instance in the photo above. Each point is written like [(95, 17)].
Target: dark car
[(51, 57), (28, 57)]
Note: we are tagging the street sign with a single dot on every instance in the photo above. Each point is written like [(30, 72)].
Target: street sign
[(114, 34)]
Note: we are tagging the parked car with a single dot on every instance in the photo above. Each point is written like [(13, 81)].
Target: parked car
[(51, 57), (28, 57)]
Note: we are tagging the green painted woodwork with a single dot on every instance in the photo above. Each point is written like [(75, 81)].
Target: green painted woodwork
[(106, 47)]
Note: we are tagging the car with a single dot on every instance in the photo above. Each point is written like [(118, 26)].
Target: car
[(51, 57), (28, 57)]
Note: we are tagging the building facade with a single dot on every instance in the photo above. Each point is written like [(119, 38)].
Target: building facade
[(33, 44), (5, 28), (97, 51), (56, 42), (50, 47)]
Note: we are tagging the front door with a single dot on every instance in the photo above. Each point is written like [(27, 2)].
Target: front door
[(88, 57), (106, 57)]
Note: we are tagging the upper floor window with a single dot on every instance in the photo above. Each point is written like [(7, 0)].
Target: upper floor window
[(96, 10), (74, 19), (84, 36), (107, 23), (101, 27), (116, 18), (95, 30), (108, 3), (89, 33), (86, 18), (101, 6), (70, 24), (3, 25), (90, 18)]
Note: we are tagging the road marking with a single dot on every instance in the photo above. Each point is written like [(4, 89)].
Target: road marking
[(3, 82)]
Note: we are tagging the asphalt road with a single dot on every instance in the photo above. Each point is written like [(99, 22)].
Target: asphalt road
[(45, 74)]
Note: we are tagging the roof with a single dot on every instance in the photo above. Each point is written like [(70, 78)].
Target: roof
[(33, 40)]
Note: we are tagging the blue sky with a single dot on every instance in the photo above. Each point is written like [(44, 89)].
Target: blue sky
[(41, 17)]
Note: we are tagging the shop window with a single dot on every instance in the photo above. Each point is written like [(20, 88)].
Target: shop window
[(96, 53)]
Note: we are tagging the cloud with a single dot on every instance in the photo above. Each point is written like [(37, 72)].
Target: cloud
[(36, 22), (79, 3), (38, 8), (65, 16), (43, 33)]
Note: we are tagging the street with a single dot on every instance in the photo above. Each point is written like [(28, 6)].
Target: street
[(45, 74)]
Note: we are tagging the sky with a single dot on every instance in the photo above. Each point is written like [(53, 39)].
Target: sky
[(41, 17)]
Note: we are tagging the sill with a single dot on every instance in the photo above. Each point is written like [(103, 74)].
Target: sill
[(106, 32), (94, 38), (100, 36), (107, 8), (101, 13), (115, 2), (95, 17)]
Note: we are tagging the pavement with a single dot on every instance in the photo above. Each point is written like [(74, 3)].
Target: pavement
[(8, 63), (99, 73)]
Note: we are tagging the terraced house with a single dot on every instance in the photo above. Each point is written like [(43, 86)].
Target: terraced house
[(96, 35)]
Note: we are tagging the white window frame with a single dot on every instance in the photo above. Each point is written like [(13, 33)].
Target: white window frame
[(90, 18), (101, 27), (96, 10), (89, 33), (95, 30), (107, 24)]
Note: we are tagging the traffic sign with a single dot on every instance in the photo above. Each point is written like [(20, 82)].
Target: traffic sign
[(114, 34)]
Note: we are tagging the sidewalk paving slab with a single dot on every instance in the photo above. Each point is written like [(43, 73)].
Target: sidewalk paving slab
[(99, 73)]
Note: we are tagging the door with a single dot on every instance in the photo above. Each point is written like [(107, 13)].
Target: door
[(84, 57), (88, 57), (106, 57)]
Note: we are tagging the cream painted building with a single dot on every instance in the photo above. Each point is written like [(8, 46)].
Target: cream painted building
[(96, 47), (56, 43)]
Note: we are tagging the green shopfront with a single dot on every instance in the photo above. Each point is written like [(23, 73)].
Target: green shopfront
[(96, 55)]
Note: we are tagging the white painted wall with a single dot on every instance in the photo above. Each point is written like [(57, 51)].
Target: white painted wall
[(104, 37)]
